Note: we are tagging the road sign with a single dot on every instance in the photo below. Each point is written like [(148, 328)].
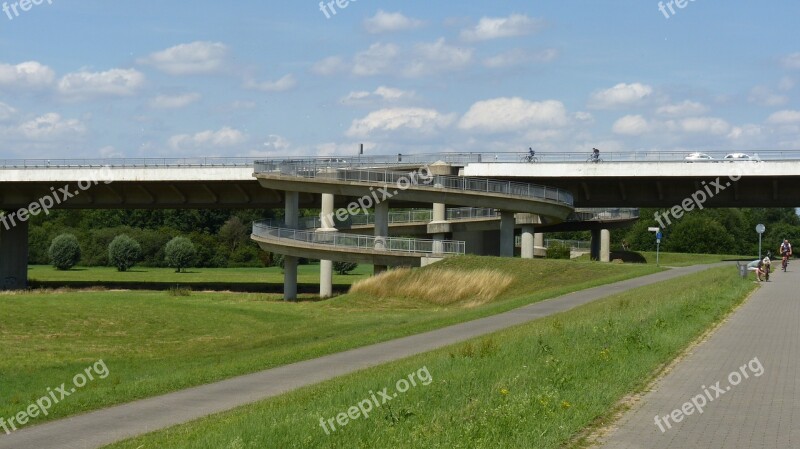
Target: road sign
[(760, 228), (659, 236), (653, 229)]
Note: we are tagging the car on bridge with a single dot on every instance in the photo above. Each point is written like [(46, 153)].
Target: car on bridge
[(739, 157), (698, 157)]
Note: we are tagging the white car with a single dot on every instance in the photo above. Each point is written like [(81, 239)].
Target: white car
[(698, 157), (739, 157)]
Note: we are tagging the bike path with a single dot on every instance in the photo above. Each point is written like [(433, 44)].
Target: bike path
[(99, 428)]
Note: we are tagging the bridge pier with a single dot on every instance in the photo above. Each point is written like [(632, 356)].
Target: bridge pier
[(507, 223), (601, 245), (527, 242), (439, 227), (290, 262), (14, 256), (538, 244), (381, 231), (327, 224)]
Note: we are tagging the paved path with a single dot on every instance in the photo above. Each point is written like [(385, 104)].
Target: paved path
[(757, 412), (96, 429)]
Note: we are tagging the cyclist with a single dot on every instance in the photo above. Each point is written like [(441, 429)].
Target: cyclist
[(531, 155), (786, 252), (595, 157)]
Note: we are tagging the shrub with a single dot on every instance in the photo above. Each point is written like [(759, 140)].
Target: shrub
[(124, 252), (558, 251), (180, 253), (65, 252), (344, 267)]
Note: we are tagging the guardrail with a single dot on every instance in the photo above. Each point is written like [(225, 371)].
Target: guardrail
[(574, 245), (346, 171), (268, 230), (601, 214), (129, 162)]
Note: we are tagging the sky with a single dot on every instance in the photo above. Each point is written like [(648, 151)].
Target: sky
[(90, 79)]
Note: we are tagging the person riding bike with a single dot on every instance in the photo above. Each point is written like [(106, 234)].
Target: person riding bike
[(595, 157), (786, 253), (531, 157)]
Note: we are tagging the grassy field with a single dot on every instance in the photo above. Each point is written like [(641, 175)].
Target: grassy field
[(305, 274), (685, 260), (534, 386), (154, 343)]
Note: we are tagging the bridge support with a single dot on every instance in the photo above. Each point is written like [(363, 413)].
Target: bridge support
[(14, 256), (507, 234), (527, 242), (327, 224), (439, 227), (290, 262), (601, 245), (538, 245), (381, 230)]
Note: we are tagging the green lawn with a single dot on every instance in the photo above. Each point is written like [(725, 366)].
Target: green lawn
[(305, 274), (154, 343), (685, 260), (537, 385)]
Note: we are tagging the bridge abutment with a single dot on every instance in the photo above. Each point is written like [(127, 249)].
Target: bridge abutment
[(14, 256)]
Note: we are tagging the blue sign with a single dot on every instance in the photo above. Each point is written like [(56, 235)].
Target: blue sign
[(659, 236)]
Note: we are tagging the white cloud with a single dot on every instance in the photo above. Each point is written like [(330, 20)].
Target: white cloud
[(519, 57), (50, 127), (189, 59), (224, 138), (382, 94), (115, 82), (620, 95), (283, 84), (330, 66), (377, 59), (684, 109), (785, 117), (700, 125), (6, 112), (764, 96), (385, 22), (792, 61), (437, 57), (513, 114), (174, 101), (418, 120), (631, 125), (500, 27), (27, 75)]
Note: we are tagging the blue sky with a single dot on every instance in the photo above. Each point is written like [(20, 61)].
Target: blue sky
[(273, 78)]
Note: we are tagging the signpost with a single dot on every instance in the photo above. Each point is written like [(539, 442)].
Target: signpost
[(760, 228), (659, 236)]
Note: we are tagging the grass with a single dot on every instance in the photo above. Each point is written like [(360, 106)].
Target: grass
[(685, 260), (306, 274), (537, 385), (154, 342)]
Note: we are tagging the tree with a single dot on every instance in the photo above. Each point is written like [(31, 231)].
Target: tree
[(180, 253), (344, 267), (234, 233), (65, 252), (124, 252)]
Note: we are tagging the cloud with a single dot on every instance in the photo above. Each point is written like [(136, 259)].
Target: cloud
[(631, 125), (683, 109), (330, 66), (385, 22), (382, 94), (288, 82), (700, 125), (174, 101), (785, 117), (27, 75), (377, 59), (502, 27), (115, 82), (51, 127), (513, 114), (437, 57), (189, 59), (792, 61), (764, 96), (7, 113), (620, 95), (418, 120), (224, 138), (518, 57)]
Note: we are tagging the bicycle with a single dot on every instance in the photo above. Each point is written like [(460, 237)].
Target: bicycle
[(785, 261), (594, 159), (528, 158)]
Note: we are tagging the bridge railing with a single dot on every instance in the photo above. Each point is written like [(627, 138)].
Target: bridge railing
[(601, 214), (128, 162), (268, 230)]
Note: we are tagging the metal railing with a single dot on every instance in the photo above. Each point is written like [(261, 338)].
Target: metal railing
[(574, 245), (345, 171), (129, 162), (267, 230), (602, 214)]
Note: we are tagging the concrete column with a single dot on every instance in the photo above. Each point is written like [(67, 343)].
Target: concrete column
[(527, 242), (507, 223), (538, 245), (605, 245), (381, 230), (595, 248), (290, 262), (14, 256), (327, 224), (439, 216)]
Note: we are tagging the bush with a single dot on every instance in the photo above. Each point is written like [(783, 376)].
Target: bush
[(65, 252), (344, 267), (180, 253), (558, 251), (124, 252)]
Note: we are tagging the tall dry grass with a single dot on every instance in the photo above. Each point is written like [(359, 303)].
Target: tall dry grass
[(444, 287)]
